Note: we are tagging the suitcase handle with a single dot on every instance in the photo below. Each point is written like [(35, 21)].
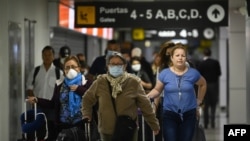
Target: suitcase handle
[(25, 115), (87, 129)]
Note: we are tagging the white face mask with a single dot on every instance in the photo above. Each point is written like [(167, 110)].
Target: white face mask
[(71, 74), (62, 60), (85, 72), (136, 67), (187, 64)]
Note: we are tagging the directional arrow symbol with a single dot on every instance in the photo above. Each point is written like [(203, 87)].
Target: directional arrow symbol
[(215, 13)]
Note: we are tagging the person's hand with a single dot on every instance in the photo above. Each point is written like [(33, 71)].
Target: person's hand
[(31, 99), (156, 132), (149, 96), (143, 83), (73, 87), (30, 92), (155, 108), (87, 118), (199, 102), (198, 112)]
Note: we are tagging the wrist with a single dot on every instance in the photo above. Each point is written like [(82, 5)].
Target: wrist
[(199, 102), (35, 100)]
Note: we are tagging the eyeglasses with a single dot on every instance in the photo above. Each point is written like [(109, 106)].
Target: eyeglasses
[(70, 67)]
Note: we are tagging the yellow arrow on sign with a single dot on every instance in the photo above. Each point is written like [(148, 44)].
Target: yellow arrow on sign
[(138, 34), (86, 15)]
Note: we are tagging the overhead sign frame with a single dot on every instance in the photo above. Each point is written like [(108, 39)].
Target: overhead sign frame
[(158, 14), (207, 33)]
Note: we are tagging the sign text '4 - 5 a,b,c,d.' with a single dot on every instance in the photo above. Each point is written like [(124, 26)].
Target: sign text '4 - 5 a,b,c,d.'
[(151, 14)]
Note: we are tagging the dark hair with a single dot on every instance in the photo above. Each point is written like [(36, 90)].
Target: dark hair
[(135, 58), (48, 48), (80, 55), (207, 52), (162, 53), (112, 41), (65, 51)]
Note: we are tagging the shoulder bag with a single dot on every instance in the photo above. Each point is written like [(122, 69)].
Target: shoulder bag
[(125, 126)]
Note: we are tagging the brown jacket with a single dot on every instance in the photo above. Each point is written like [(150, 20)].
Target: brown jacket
[(132, 97)]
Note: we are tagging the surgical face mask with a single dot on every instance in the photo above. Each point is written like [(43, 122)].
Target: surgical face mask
[(85, 72), (136, 67), (187, 64), (116, 71), (109, 52), (71, 74), (62, 60)]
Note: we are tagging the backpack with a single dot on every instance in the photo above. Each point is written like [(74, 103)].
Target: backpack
[(57, 70)]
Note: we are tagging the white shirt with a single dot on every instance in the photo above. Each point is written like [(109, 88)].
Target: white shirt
[(44, 82)]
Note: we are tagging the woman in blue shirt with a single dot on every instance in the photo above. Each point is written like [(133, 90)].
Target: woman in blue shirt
[(180, 102)]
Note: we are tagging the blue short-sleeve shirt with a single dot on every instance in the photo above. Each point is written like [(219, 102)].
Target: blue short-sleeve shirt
[(179, 92)]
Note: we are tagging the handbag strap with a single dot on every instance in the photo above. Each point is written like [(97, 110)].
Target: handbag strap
[(112, 99)]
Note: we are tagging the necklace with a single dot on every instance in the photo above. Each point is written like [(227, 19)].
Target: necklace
[(178, 79), (178, 83)]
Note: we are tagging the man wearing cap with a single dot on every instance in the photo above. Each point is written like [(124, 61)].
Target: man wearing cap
[(63, 53)]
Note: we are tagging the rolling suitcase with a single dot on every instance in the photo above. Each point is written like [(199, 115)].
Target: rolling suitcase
[(76, 133), (34, 124), (144, 129), (199, 132)]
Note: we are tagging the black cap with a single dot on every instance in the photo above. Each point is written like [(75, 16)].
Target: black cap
[(65, 51)]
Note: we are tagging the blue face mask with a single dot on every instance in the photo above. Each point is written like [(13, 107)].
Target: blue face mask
[(109, 52), (116, 71)]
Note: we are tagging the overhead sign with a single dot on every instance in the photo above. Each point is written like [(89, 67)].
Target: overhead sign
[(158, 14), (138, 34), (174, 33)]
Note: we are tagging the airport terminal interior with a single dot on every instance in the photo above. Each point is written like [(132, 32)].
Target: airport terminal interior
[(33, 24)]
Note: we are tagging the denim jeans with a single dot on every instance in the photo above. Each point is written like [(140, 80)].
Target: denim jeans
[(177, 128)]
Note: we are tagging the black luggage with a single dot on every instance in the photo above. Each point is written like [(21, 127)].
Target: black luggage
[(199, 132), (34, 124), (81, 132)]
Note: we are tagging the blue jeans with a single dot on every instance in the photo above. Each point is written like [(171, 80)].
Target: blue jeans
[(176, 128)]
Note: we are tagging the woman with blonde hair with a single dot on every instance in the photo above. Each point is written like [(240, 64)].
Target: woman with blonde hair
[(179, 98)]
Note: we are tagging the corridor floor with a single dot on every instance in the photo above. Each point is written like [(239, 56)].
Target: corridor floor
[(216, 134)]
